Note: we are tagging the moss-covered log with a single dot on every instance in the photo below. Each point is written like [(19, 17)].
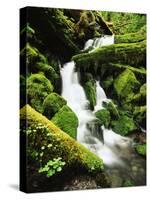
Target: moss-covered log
[(133, 54), (46, 138), (131, 37)]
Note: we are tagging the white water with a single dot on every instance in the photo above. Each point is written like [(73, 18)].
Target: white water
[(99, 42), (74, 93)]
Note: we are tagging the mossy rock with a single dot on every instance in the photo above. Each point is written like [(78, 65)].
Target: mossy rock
[(141, 149), (140, 115), (48, 71), (67, 120), (126, 84), (90, 91), (52, 104), (108, 82), (104, 116), (124, 126), (38, 87), (111, 107), (43, 136), (140, 97), (32, 55)]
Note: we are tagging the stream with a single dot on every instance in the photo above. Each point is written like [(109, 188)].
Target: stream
[(120, 159)]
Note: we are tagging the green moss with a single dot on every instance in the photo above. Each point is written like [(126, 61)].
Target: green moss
[(108, 82), (90, 90), (104, 116), (122, 67), (127, 183), (66, 120), (125, 84), (140, 115), (124, 125), (52, 104), (38, 87), (48, 71), (140, 97), (113, 110), (131, 37), (56, 143), (141, 149), (32, 56), (133, 54)]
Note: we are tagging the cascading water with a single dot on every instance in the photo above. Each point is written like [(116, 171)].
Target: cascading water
[(111, 147)]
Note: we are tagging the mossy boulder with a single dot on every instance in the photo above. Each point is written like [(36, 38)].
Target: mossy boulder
[(67, 120), (112, 108), (38, 87), (32, 55), (140, 97), (140, 115), (90, 91), (124, 125), (104, 116), (126, 84), (141, 149), (52, 104), (48, 71), (45, 141)]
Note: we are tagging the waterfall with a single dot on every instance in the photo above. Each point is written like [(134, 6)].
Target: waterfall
[(101, 141), (118, 155), (99, 42)]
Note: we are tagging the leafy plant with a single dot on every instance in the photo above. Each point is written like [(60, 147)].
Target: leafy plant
[(52, 167)]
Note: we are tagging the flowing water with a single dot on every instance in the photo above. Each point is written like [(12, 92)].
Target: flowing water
[(121, 161)]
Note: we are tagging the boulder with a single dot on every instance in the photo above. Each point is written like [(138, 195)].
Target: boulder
[(90, 91), (38, 88), (124, 125), (104, 116), (126, 84), (66, 120), (141, 149), (52, 104)]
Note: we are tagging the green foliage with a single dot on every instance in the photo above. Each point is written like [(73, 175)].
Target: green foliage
[(124, 125), (38, 87), (104, 116), (28, 30), (140, 115), (52, 167), (128, 183), (90, 90), (123, 23), (141, 149), (67, 120), (32, 55), (52, 104), (131, 37), (56, 142), (125, 84)]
